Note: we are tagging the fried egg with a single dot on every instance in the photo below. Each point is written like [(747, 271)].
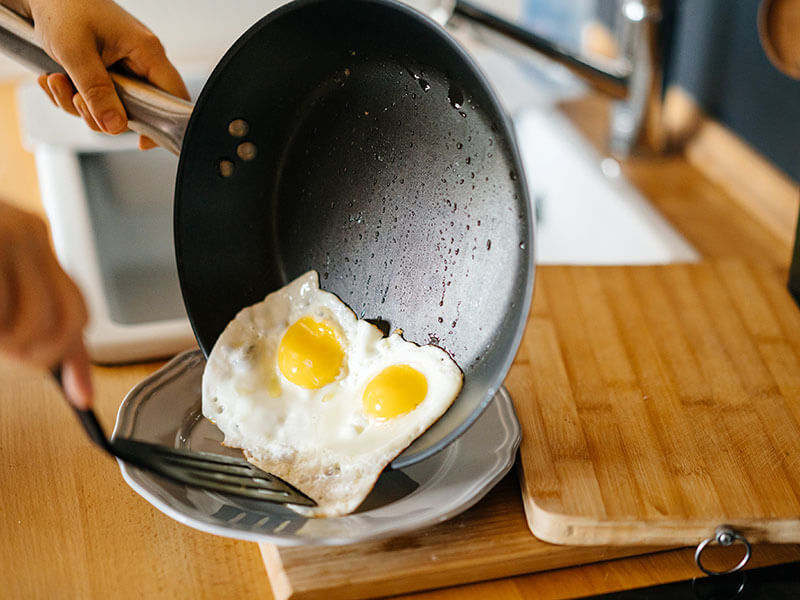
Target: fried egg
[(320, 398)]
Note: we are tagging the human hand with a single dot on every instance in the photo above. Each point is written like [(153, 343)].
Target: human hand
[(87, 36), (42, 313)]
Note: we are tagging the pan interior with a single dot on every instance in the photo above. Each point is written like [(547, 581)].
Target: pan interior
[(383, 163)]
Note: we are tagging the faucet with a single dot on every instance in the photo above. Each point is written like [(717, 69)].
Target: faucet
[(634, 79)]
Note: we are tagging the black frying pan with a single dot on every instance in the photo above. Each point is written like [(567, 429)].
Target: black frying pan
[(357, 138)]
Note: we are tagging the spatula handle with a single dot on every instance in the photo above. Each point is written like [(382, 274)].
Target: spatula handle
[(86, 417), (151, 111)]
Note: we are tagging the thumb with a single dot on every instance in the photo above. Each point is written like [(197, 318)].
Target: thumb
[(77, 377), (94, 84)]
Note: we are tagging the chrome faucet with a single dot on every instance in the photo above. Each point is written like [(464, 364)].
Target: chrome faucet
[(634, 78)]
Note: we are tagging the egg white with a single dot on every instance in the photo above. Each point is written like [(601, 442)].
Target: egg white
[(319, 440)]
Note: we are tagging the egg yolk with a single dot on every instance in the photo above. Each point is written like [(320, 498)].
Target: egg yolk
[(394, 391), (310, 354)]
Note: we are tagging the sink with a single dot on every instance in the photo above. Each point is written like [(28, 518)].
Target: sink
[(587, 212)]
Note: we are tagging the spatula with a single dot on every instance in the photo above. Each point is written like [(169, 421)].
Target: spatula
[(212, 472)]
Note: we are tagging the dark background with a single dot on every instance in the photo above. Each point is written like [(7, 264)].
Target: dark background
[(717, 57)]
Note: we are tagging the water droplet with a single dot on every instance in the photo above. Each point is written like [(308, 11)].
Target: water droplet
[(462, 113), (424, 85), (459, 145), (513, 175), (522, 246), (455, 96), (441, 320), (488, 244), (468, 160)]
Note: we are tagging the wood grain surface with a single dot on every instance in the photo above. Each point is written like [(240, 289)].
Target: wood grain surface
[(659, 402), (489, 541)]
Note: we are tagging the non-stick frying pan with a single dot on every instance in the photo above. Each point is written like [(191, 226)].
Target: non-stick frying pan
[(355, 137)]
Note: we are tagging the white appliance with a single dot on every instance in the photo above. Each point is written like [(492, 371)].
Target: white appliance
[(110, 212)]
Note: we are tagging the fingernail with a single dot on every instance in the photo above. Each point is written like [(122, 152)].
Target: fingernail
[(113, 122)]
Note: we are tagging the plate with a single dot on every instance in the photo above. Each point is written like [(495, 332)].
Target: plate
[(165, 408)]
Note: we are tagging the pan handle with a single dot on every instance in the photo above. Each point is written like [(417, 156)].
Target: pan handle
[(151, 111)]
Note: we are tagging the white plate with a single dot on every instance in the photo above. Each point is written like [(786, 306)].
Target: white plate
[(165, 409)]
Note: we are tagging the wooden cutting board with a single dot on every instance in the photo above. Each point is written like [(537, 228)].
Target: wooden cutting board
[(660, 402), (488, 541)]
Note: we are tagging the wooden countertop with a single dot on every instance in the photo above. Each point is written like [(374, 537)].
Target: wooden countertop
[(72, 528)]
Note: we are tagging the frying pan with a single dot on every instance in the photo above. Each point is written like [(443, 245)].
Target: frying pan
[(357, 138)]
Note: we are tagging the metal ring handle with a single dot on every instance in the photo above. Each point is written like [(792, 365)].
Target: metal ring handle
[(724, 536)]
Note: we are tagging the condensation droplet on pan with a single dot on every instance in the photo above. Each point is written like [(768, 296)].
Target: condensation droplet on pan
[(455, 96)]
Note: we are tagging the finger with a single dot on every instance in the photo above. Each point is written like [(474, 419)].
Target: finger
[(77, 377), (7, 297), (62, 91), (42, 81), (150, 62), (83, 111), (35, 313), (72, 310), (145, 143), (94, 84)]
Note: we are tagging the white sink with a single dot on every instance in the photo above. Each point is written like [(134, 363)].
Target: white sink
[(587, 212)]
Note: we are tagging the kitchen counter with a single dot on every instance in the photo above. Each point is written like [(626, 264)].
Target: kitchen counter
[(72, 528)]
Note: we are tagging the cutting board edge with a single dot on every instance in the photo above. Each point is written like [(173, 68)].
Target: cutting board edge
[(284, 586), (573, 530)]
